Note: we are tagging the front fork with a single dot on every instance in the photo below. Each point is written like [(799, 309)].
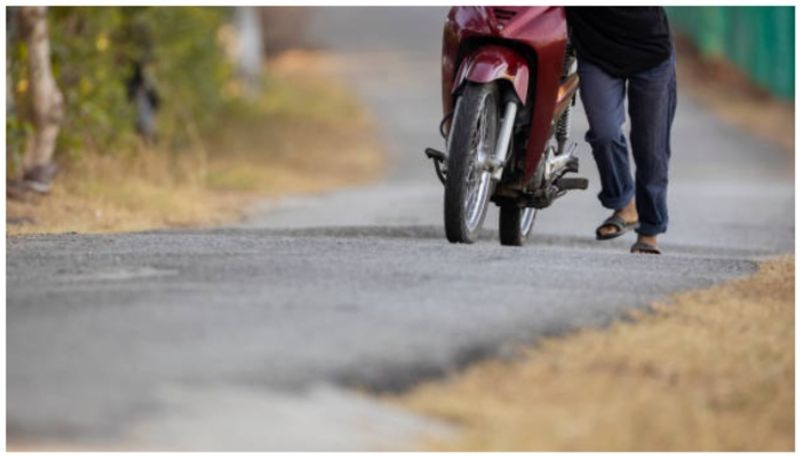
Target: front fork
[(497, 162), (494, 164)]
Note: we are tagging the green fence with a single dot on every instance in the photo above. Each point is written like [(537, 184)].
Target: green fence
[(759, 40)]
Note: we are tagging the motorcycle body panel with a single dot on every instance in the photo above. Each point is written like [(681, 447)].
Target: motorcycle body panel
[(491, 63), (484, 44)]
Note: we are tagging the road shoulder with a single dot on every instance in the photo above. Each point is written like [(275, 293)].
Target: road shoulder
[(708, 370)]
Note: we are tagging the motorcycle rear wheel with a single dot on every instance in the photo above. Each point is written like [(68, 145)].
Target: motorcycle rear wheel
[(473, 137), (516, 224)]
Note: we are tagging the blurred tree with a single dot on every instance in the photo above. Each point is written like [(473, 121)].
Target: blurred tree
[(47, 102), (96, 51), (249, 49)]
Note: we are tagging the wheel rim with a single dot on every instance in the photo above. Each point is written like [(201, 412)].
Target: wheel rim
[(526, 220), (478, 179)]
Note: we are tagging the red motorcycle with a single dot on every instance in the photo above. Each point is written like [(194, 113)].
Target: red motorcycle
[(508, 85)]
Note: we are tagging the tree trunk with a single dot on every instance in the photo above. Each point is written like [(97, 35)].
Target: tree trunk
[(250, 49), (47, 102)]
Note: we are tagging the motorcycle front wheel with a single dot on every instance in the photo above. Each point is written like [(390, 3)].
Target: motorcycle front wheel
[(473, 138)]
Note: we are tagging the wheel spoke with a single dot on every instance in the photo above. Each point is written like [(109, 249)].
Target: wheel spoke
[(478, 180)]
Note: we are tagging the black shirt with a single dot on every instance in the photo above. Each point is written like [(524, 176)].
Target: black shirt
[(621, 40)]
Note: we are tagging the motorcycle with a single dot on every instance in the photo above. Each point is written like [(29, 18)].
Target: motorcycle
[(509, 82)]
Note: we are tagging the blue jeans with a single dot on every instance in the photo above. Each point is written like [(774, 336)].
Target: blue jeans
[(651, 106)]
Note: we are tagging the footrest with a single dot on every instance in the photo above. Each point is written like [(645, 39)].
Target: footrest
[(572, 165), (572, 183), (435, 154)]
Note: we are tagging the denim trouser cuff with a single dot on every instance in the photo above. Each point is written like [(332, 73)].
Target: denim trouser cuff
[(616, 203), (650, 229)]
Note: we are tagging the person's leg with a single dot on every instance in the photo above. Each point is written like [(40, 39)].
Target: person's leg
[(603, 98), (651, 105)]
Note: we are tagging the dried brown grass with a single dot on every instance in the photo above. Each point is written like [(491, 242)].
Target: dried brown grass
[(308, 135), (711, 370)]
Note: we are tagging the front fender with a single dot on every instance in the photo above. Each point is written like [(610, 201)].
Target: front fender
[(492, 63)]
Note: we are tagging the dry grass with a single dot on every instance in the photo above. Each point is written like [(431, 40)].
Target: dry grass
[(713, 370), (306, 134), (732, 97)]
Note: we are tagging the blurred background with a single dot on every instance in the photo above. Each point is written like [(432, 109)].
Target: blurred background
[(758, 41), (739, 61), (154, 116), (180, 106)]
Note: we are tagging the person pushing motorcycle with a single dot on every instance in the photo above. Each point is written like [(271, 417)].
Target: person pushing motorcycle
[(618, 47)]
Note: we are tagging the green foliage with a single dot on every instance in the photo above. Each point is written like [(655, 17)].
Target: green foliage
[(93, 50)]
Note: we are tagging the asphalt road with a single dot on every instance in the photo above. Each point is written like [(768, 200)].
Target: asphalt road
[(251, 337)]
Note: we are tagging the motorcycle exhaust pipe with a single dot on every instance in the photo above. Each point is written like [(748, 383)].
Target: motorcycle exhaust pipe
[(504, 140)]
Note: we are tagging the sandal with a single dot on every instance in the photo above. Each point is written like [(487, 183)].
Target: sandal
[(641, 247), (620, 224)]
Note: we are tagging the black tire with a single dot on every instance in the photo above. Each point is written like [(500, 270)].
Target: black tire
[(466, 129), (512, 232)]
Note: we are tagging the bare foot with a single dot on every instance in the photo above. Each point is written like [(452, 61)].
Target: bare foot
[(628, 214)]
